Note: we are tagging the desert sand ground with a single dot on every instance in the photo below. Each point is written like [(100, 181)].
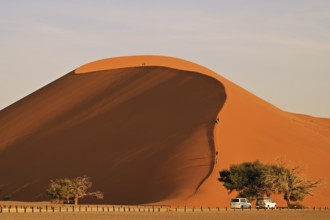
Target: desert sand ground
[(230, 215)]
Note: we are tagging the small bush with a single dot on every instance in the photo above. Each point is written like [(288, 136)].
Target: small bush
[(6, 198)]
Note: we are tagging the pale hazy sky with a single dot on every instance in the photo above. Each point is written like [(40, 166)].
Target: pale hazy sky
[(278, 50)]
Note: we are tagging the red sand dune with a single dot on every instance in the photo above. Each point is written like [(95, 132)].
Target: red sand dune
[(142, 128)]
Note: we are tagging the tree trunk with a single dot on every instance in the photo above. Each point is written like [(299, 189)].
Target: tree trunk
[(287, 199), (288, 202), (67, 200), (76, 200)]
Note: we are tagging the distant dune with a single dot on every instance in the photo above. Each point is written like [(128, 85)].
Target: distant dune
[(143, 128)]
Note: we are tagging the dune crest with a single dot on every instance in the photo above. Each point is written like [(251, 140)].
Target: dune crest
[(140, 61)]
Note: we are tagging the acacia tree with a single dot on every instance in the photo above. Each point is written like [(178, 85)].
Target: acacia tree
[(59, 190), (255, 179), (291, 182), (80, 186), (247, 179), (71, 190)]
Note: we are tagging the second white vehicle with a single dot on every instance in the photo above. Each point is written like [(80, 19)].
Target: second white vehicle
[(265, 203)]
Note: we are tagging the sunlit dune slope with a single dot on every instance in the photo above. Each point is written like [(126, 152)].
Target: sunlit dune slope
[(142, 128)]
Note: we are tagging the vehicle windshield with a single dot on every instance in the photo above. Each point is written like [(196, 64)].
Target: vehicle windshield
[(234, 200)]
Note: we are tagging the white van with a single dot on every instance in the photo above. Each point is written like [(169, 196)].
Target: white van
[(240, 203)]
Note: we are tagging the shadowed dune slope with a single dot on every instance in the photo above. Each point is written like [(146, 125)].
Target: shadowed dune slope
[(143, 134), (142, 128)]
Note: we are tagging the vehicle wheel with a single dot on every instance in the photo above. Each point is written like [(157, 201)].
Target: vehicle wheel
[(275, 207), (242, 207)]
